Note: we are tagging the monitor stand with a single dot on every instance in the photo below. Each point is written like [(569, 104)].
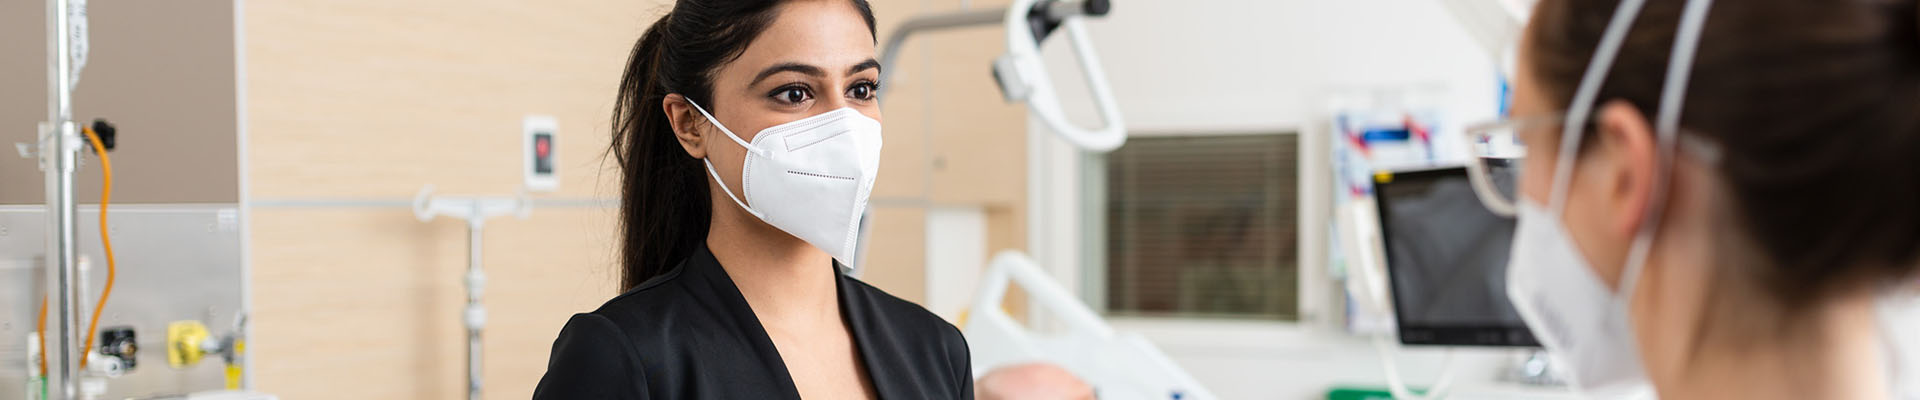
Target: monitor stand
[(1535, 370)]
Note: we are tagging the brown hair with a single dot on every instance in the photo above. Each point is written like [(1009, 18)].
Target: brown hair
[(1816, 108), (664, 208)]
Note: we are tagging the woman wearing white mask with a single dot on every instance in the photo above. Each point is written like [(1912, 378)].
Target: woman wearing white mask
[(748, 137), (1715, 198)]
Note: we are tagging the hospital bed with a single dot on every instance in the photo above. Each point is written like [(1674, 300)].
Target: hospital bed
[(1119, 366)]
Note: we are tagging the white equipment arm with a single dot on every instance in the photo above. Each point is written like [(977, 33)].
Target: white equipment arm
[(1022, 74), (1119, 366)]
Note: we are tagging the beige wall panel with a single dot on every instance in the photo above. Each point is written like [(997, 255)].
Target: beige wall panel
[(951, 138), (559, 262), (366, 303), (897, 253), (356, 304), (1007, 230), (903, 161), (370, 98), (979, 140), (903, 166)]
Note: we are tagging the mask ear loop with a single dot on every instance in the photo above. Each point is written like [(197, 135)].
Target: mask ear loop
[(723, 129), (1686, 43), (1583, 98), (715, 173)]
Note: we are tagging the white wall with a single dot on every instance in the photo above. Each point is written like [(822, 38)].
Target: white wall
[(956, 257), (1259, 64), (1227, 66)]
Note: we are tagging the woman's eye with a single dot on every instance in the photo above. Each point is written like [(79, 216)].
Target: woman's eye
[(793, 94), (863, 91)]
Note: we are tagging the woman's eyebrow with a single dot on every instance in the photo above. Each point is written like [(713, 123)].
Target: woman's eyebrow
[(810, 70), (863, 66)]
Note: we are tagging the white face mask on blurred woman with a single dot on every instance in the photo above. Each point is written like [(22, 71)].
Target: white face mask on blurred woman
[(1583, 325)]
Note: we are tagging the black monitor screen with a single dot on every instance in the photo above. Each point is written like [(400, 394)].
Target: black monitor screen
[(1446, 257)]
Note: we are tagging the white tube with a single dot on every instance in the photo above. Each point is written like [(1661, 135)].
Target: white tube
[(1390, 361)]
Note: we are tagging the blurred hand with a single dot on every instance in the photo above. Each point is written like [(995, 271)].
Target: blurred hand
[(1032, 381)]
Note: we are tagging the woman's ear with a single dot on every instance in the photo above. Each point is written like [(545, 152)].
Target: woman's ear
[(686, 124), (1628, 164)]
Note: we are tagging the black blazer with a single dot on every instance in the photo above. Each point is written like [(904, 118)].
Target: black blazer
[(688, 334)]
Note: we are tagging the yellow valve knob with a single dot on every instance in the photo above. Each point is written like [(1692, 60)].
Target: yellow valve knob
[(233, 366), (233, 377), (183, 343)]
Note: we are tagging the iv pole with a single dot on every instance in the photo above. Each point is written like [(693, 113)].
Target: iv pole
[(475, 210), (58, 146)]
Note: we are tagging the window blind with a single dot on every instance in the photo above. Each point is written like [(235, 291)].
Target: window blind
[(1203, 226)]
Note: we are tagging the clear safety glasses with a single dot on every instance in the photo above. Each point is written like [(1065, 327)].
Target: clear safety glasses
[(1495, 155)]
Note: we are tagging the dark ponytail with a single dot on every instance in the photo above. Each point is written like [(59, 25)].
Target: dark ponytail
[(664, 206)]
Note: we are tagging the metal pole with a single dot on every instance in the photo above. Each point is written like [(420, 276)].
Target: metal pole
[(935, 22), (475, 315), (58, 142)]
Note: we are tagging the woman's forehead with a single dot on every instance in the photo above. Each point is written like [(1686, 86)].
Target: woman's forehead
[(828, 34)]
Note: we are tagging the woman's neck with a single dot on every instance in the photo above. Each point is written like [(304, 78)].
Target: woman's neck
[(789, 283), (1709, 328), (1831, 350)]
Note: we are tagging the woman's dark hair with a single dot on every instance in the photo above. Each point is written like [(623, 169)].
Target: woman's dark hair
[(1816, 107), (664, 206)]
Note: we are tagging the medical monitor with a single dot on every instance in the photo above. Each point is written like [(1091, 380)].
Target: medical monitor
[(1446, 260)]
